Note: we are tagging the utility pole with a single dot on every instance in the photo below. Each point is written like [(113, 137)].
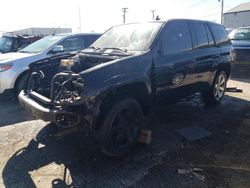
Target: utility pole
[(222, 10), (124, 10), (153, 14), (80, 21)]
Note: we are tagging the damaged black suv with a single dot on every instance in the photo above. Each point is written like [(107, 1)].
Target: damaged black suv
[(108, 86)]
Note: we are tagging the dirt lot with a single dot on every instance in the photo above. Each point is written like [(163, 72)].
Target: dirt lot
[(31, 157)]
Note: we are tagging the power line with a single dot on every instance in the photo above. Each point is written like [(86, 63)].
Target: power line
[(208, 10), (209, 15), (196, 4)]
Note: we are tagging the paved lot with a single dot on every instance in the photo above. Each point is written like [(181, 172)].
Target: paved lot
[(30, 157)]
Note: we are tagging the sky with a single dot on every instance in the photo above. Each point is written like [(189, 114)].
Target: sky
[(99, 15)]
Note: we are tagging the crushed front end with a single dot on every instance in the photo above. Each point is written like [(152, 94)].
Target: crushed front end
[(64, 105), (56, 90)]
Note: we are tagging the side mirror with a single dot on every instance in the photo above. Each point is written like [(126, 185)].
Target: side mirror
[(57, 49)]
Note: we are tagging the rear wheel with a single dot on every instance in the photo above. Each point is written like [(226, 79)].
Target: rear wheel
[(120, 127), (217, 90)]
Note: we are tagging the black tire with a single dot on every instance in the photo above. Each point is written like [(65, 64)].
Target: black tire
[(21, 83), (120, 127), (216, 93)]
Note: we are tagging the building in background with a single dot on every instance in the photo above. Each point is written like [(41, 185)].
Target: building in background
[(238, 16), (42, 31)]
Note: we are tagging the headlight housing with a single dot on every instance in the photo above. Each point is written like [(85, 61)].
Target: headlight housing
[(5, 67)]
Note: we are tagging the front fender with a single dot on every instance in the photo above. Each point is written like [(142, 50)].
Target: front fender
[(17, 73), (122, 80)]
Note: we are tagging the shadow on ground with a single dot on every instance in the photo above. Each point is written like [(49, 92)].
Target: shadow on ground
[(155, 165), (11, 112)]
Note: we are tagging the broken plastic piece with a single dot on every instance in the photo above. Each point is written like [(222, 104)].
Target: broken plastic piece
[(233, 89), (145, 136)]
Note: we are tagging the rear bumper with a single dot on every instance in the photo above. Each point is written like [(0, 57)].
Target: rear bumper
[(38, 111)]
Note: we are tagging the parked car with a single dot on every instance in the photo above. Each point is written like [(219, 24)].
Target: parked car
[(14, 66), (229, 30), (14, 43), (109, 85), (240, 38)]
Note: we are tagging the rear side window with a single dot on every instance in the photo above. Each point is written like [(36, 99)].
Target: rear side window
[(201, 35), (210, 36), (176, 38), (220, 34)]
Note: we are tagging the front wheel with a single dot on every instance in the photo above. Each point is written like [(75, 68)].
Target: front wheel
[(21, 84), (216, 93), (120, 127)]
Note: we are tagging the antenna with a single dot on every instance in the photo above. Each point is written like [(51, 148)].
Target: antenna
[(56, 30)]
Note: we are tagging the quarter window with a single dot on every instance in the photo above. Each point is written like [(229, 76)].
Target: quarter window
[(210, 37), (221, 35), (177, 38)]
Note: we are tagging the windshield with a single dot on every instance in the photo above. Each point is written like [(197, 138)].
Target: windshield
[(131, 37), (5, 44), (240, 34), (42, 44)]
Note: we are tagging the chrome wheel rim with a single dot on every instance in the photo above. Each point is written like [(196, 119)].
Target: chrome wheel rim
[(219, 87)]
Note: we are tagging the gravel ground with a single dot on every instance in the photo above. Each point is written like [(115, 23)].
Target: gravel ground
[(31, 157)]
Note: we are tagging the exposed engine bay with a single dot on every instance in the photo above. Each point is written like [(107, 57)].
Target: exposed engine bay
[(50, 77), (58, 84)]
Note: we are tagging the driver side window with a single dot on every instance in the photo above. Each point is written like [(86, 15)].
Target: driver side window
[(177, 38)]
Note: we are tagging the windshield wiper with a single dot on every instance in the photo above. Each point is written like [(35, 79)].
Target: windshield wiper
[(22, 51), (94, 48), (115, 48), (28, 52)]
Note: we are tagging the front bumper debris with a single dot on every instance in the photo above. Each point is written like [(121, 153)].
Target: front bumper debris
[(66, 105), (38, 111)]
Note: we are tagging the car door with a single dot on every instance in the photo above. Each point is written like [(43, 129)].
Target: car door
[(205, 53), (174, 66)]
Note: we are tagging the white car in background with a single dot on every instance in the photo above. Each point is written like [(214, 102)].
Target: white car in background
[(14, 66)]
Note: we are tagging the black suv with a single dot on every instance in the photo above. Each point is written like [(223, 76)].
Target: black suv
[(109, 85), (14, 43)]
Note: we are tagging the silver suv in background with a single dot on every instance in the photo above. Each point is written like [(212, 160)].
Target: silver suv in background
[(14, 66)]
